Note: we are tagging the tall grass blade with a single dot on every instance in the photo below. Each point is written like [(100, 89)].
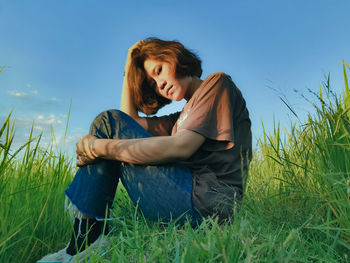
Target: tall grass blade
[(347, 92), (70, 106), (289, 107)]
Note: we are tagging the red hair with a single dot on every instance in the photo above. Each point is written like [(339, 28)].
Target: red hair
[(144, 95)]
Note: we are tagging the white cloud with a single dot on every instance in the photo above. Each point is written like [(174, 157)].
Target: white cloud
[(41, 124), (41, 120), (38, 127), (34, 91), (17, 94)]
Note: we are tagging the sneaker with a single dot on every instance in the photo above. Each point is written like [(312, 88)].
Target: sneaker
[(99, 247), (87, 238), (58, 257)]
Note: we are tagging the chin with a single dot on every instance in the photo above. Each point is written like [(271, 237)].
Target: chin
[(177, 98)]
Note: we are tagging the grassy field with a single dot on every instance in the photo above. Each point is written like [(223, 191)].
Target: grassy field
[(296, 207)]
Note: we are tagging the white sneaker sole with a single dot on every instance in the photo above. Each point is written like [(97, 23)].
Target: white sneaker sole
[(99, 247)]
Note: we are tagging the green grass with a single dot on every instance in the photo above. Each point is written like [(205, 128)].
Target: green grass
[(296, 207)]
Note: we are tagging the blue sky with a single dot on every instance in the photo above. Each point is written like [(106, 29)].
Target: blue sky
[(55, 51)]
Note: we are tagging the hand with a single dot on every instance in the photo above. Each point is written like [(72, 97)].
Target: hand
[(85, 152), (131, 49), (136, 45)]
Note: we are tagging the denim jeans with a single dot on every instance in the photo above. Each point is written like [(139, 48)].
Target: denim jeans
[(160, 192)]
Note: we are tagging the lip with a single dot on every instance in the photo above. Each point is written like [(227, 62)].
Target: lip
[(168, 90)]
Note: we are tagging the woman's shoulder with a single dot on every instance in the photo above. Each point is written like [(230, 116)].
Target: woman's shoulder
[(216, 78)]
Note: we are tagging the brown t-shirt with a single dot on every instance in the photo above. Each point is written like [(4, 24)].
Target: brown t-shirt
[(217, 111)]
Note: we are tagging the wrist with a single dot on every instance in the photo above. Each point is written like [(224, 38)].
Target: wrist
[(102, 148)]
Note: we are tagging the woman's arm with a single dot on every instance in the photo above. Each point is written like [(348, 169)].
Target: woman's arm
[(127, 103), (152, 150)]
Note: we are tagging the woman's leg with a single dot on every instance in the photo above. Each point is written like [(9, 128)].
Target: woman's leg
[(159, 191)]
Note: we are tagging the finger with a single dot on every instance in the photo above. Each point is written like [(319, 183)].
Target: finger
[(79, 158), (79, 163), (91, 147), (87, 150), (79, 149), (83, 161)]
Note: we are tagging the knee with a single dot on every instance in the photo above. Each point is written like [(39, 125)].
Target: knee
[(101, 126), (105, 115), (106, 123)]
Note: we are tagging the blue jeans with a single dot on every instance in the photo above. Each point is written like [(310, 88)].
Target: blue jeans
[(161, 192)]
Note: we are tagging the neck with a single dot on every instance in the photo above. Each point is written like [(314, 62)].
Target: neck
[(196, 82)]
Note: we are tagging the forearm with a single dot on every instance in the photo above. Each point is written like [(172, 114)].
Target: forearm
[(153, 150), (127, 104)]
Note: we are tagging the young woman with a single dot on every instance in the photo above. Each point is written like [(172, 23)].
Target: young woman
[(183, 166)]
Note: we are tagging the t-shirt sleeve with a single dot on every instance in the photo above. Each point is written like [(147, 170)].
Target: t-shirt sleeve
[(211, 113), (162, 126)]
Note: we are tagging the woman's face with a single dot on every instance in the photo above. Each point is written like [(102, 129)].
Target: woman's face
[(161, 76)]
